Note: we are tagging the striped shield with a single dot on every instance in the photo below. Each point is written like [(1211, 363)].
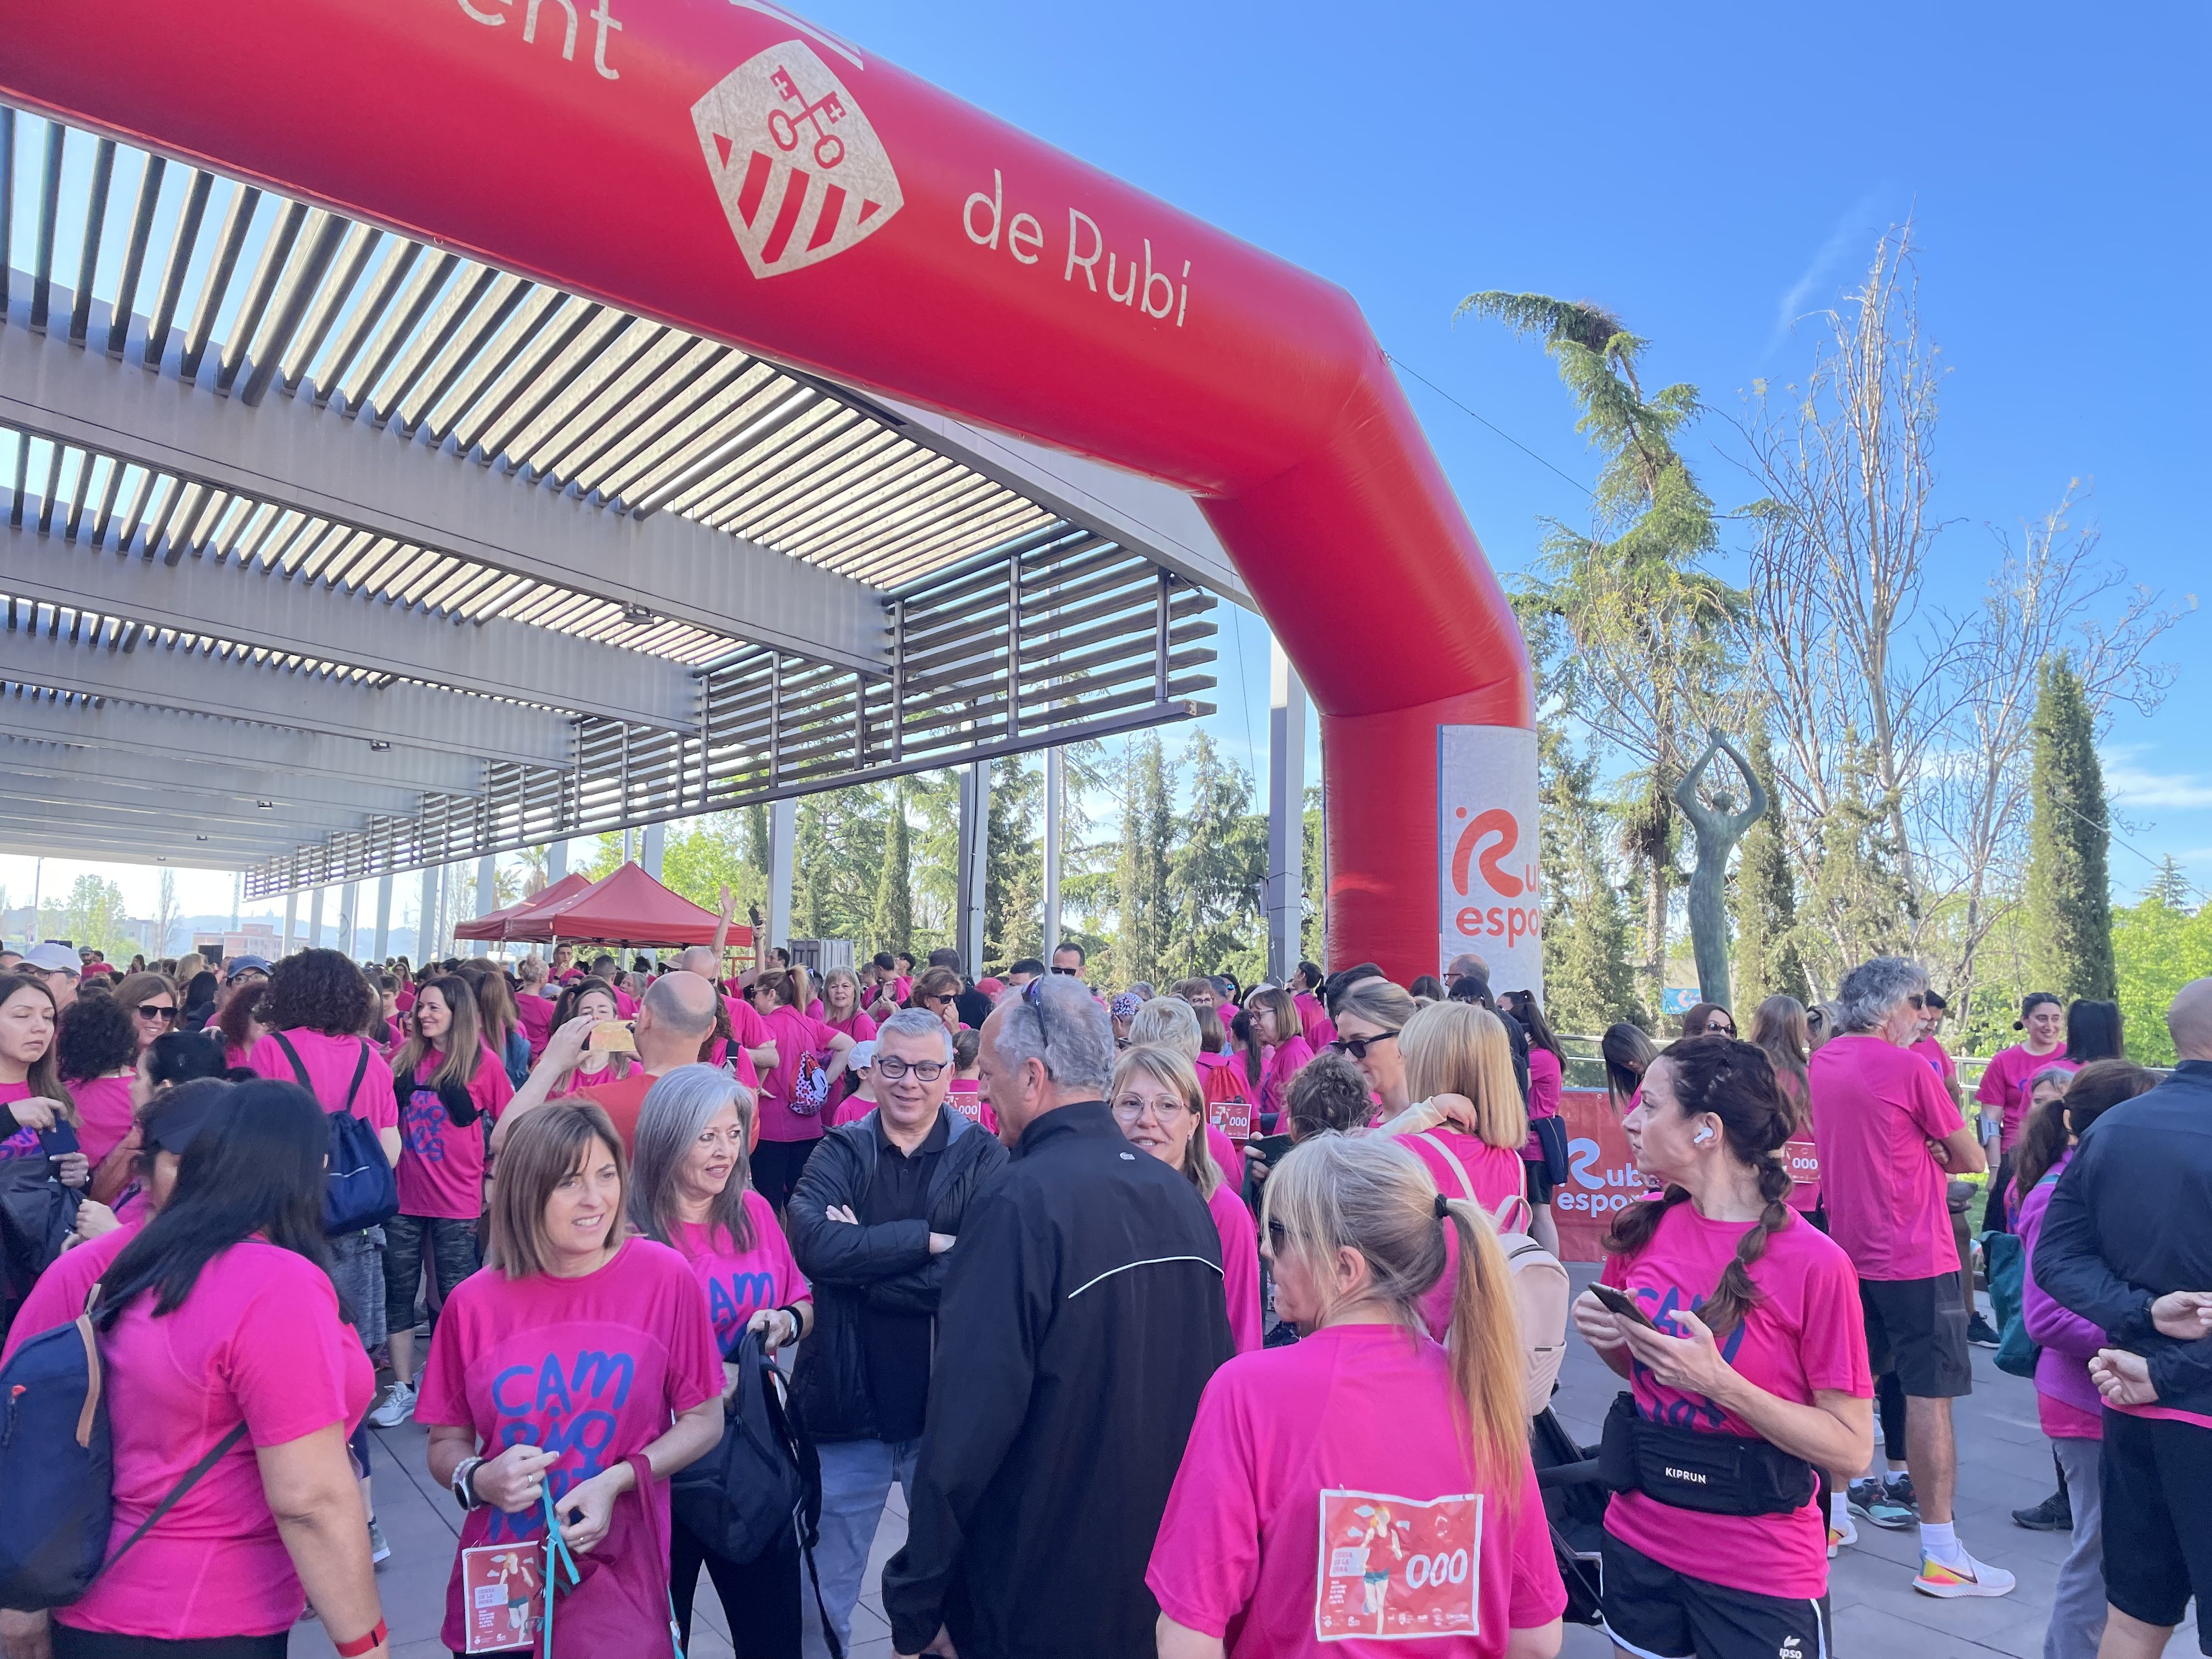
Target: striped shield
[(801, 173)]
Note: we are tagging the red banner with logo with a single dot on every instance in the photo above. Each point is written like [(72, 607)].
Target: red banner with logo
[(1601, 1173)]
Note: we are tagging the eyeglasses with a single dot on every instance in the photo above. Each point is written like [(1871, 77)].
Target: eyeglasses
[(1070, 972), (1130, 1107), (1918, 1000), (155, 1010), (892, 1068), (1357, 1046)]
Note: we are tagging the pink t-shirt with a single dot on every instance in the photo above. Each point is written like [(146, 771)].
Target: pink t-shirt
[(855, 1026), (330, 1062), (1239, 1261), (965, 1094), (536, 1014), (1222, 1084), (103, 1114), (794, 1033), (1805, 1333), (1313, 1023), (1929, 1049), (747, 1032), (441, 1162), (258, 1340), (1373, 1463), (852, 1109), (1495, 1174), (1875, 1107), (57, 1297), (739, 1284), (1226, 1157), (2008, 1083), (1544, 1079), (1283, 1062), (595, 1368), (1801, 1153)]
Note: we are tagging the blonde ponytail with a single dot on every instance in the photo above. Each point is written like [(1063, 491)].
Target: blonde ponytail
[(1488, 1362)]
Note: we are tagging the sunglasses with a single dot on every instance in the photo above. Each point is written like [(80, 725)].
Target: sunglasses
[(1070, 972), (1918, 1000), (1033, 994), (155, 1010), (1357, 1046), (944, 1001)]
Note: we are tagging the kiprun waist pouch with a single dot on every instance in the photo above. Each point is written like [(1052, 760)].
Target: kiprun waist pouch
[(1714, 1473)]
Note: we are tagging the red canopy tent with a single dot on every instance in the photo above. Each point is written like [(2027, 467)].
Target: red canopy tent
[(494, 927), (627, 907)]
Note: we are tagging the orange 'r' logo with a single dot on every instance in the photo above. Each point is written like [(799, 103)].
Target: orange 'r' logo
[(1507, 828)]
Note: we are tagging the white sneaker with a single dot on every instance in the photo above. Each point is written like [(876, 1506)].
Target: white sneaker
[(398, 1406), (1843, 1532), (1969, 1577)]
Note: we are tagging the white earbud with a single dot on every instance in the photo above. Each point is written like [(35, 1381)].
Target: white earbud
[(1702, 1135)]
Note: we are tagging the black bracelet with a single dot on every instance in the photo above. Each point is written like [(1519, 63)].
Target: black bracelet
[(798, 1323)]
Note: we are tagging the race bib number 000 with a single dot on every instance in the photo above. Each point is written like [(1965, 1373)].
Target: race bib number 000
[(1392, 1569), (503, 1597)]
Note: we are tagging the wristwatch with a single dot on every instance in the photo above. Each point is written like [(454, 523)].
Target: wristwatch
[(465, 1472)]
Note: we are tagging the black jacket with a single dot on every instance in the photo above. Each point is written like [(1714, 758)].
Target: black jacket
[(2127, 1223), (888, 1267), (1082, 1318)]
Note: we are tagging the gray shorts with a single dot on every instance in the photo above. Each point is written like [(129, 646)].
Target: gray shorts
[(357, 1269)]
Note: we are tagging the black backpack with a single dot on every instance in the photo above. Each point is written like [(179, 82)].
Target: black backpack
[(37, 1216), (359, 1189), (762, 1483), (57, 1467)]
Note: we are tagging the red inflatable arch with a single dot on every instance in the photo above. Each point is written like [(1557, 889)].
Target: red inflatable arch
[(727, 166)]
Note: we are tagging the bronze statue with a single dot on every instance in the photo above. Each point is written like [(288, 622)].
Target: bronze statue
[(1719, 827)]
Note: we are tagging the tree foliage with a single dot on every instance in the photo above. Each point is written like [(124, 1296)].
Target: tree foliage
[(2157, 947), (1768, 958), (2070, 902)]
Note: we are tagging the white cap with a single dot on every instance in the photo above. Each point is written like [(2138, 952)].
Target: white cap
[(54, 958)]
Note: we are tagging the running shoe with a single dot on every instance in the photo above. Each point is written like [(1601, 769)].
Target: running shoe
[(2054, 1514), (1888, 1505), (1969, 1577), (1980, 1333), (379, 1547), (1839, 1536), (398, 1406)]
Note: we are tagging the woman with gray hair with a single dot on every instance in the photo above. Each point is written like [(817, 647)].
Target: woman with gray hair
[(690, 1188), (1170, 1023)]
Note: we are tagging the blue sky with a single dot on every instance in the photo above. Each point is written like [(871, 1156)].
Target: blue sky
[(1708, 173)]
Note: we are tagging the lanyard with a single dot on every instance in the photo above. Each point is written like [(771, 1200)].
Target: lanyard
[(557, 1557)]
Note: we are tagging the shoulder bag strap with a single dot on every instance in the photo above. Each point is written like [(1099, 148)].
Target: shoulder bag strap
[(291, 1054), (1465, 1181), (190, 1479), (360, 1071)]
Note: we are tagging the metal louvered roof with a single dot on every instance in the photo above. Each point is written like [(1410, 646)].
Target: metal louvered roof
[(324, 484)]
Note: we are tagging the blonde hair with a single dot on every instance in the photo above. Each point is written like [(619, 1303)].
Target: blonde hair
[(1460, 1048), (1371, 1195), (190, 967), (544, 1145), (1171, 1068), (1167, 1021), (834, 976)]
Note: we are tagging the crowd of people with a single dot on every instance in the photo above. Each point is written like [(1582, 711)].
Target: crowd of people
[(1194, 1321)]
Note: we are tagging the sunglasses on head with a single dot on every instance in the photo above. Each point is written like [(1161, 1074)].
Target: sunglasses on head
[(155, 1010), (1357, 1046)]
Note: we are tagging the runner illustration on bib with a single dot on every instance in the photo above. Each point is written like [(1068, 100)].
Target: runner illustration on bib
[(1418, 1566)]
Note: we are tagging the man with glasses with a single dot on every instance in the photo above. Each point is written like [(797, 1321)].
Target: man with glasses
[(880, 1204), (1068, 961), (1086, 1311), (58, 967)]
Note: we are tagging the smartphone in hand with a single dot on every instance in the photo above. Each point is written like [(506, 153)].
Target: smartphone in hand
[(1623, 1305)]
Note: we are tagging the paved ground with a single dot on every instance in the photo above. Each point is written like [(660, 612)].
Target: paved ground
[(2005, 1464)]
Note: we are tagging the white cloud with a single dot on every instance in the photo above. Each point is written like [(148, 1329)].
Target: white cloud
[(2137, 788), (1854, 230)]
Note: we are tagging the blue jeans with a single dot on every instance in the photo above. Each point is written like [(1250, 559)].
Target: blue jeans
[(856, 1478)]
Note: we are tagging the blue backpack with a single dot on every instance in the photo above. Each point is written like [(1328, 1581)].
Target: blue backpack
[(56, 1466), (359, 1189)]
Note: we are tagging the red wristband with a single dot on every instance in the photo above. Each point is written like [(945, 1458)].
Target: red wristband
[(361, 1644)]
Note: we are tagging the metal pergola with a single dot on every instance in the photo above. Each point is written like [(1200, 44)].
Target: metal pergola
[(331, 554)]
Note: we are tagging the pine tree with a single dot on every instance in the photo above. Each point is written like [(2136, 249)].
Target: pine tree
[(1767, 962), (757, 852), (1216, 870), (2169, 887), (1013, 881), (892, 924), (1588, 981), (2069, 898), (1147, 920)]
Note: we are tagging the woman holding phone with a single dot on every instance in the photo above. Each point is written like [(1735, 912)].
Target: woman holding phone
[(1737, 1326)]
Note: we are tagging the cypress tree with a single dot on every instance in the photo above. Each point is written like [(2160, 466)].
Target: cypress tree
[(1766, 901), (1589, 983), (2070, 900), (893, 922)]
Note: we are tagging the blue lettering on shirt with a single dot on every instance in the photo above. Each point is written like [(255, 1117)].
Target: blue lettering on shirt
[(733, 1301), (1684, 1410), (573, 1411), (423, 1125)]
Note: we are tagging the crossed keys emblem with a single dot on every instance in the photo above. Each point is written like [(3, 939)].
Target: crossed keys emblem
[(821, 114), (801, 172)]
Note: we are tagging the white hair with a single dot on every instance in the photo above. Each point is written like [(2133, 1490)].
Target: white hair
[(1059, 1022)]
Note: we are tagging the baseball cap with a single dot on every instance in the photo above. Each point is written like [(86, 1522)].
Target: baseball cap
[(861, 1056), (238, 965), (184, 1112), (53, 958)]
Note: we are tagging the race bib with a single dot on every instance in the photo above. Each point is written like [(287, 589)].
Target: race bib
[(503, 1597), (967, 1104), (1392, 1569), (1233, 1118), (1802, 1159)]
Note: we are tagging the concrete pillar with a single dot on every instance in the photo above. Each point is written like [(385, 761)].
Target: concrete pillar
[(315, 920), (383, 915), (1286, 814), (426, 925), (291, 920), (1056, 783), (656, 848), (557, 862), (486, 893), (346, 896), (782, 842), (974, 862)]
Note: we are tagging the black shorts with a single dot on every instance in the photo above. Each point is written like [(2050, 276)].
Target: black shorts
[(1656, 1612), (1540, 1186), (1917, 1328), (2156, 1477)]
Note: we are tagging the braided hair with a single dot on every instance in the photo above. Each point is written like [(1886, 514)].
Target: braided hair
[(1734, 1082)]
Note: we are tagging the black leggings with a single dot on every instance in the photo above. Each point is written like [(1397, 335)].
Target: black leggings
[(776, 1167), (70, 1643), (760, 1599), (1889, 1406)]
